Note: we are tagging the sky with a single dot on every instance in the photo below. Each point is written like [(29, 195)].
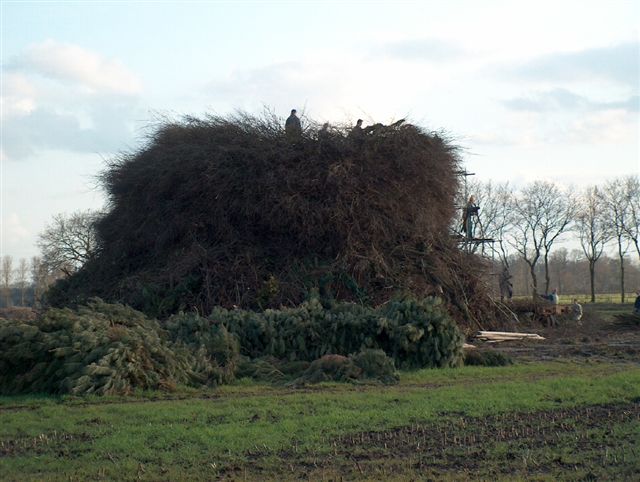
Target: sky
[(528, 89)]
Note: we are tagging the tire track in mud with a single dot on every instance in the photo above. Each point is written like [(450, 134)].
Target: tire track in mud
[(458, 444)]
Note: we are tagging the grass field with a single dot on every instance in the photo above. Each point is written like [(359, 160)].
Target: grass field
[(544, 420), (568, 409), (601, 298)]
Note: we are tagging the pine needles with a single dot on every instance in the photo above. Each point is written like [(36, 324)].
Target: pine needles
[(102, 348)]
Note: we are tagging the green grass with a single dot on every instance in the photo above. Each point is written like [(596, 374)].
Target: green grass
[(601, 298), (262, 432)]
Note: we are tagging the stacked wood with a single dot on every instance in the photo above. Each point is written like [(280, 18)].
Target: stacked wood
[(499, 336)]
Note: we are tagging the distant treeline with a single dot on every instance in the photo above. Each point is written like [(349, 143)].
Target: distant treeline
[(569, 273)]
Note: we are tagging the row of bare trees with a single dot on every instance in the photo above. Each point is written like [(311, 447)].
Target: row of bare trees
[(29, 279), (65, 245), (569, 270), (525, 224), (530, 221)]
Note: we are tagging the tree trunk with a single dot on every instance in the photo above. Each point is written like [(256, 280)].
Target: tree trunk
[(547, 281), (592, 276), (621, 254), (8, 298), (534, 280)]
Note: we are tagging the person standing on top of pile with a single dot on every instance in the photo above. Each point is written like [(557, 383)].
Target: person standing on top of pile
[(292, 126), (323, 134), (357, 129), (357, 134)]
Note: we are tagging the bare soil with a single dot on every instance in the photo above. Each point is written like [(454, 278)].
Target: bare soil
[(600, 336)]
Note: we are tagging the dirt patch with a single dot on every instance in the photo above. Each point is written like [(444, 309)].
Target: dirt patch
[(512, 444), (56, 442), (538, 428), (600, 337), (515, 444)]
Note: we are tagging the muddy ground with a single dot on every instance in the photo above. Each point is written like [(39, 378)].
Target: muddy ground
[(586, 443), (600, 336)]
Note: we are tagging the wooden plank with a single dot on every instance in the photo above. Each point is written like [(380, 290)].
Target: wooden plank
[(507, 333), (497, 336)]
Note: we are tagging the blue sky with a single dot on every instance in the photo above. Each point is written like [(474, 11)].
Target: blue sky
[(530, 90)]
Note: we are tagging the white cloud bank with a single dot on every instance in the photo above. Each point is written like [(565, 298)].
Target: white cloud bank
[(62, 96), (71, 63)]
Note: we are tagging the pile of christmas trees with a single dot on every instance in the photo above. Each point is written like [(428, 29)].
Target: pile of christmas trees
[(106, 348)]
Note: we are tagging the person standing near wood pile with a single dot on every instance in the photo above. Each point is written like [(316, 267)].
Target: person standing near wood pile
[(576, 311), (549, 312), (551, 298), (292, 125), (506, 287), (636, 305)]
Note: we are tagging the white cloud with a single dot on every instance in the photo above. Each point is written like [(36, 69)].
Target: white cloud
[(420, 50), (19, 95), (619, 63), (561, 99), (14, 229), (72, 63), (339, 90), (529, 129), (608, 127), (61, 96)]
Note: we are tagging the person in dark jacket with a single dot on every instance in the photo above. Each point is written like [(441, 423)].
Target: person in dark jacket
[(469, 217), (636, 305), (506, 286), (357, 132), (292, 126)]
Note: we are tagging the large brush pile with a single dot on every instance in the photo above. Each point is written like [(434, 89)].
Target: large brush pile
[(232, 212)]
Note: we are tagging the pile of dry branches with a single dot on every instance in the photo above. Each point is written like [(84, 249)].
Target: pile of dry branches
[(233, 212)]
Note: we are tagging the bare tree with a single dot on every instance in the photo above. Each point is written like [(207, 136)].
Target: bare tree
[(69, 241), (617, 212), (558, 264), (6, 277), (524, 236), (22, 274), (593, 230), (37, 278), (632, 225), (41, 278), (496, 214), (542, 213)]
